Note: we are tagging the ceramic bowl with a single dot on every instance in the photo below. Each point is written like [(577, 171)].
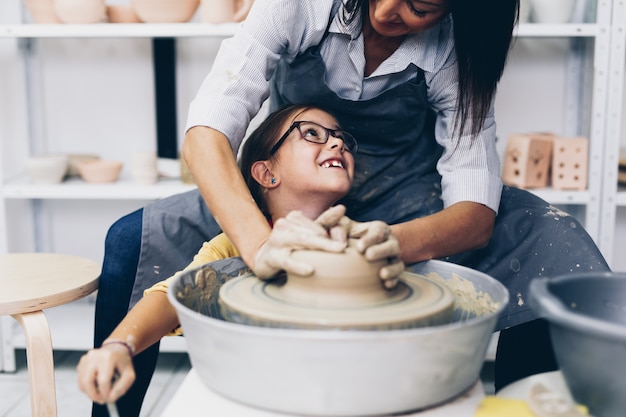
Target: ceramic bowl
[(81, 11), (122, 13), (46, 169), (73, 159), (588, 330), (165, 11), (42, 11), (99, 171)]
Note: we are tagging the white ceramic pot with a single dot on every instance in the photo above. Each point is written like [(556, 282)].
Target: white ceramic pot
[(46, 169), (42, 11), (332, 372), (552, 11), (81, 11), (145, 168), (222, 11), (165, 11)]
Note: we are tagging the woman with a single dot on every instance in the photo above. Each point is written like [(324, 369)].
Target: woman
[(415, 81), (297, 164)]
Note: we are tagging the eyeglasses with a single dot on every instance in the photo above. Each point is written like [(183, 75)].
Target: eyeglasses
[(316, 133)]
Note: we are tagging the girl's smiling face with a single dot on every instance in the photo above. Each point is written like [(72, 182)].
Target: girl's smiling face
[(312, 169), (393, 18)]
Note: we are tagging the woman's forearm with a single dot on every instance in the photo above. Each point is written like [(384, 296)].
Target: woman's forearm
[(215, 171), (461, 227)]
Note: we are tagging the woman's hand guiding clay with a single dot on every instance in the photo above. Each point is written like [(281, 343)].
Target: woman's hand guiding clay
[(329, 232)]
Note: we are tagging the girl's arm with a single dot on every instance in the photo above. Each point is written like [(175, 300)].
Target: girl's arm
[(152, 318), (147, 322), (107, 373)]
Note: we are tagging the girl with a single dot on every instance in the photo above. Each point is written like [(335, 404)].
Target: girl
[(297, 164)]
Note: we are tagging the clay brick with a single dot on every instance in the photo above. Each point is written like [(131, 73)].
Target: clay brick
[(527, 160), (570, 159)]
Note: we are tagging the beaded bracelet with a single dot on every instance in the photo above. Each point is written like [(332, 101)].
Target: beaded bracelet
[(131, 349)]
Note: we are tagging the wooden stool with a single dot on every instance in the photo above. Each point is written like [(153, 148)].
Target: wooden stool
[(32, 282)]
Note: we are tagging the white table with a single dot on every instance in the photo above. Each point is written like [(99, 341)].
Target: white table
[(194, 399)]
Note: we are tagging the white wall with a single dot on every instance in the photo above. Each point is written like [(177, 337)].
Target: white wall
[(97, 97)]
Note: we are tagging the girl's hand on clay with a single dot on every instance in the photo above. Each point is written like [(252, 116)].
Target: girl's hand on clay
[(294, 231), (374, 241), (105, 374)]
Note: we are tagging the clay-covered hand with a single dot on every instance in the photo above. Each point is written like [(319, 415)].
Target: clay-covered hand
[(105, 374), (292, 232), (374, 240)]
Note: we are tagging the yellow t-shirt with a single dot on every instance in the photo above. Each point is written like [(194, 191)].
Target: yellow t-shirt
[(220, 247)]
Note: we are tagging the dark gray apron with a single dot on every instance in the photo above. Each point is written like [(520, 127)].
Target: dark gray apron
[(396, 180)]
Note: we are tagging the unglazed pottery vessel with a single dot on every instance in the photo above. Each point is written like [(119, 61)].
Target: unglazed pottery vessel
[(100, 171), (165, 11), (122, 13), (222, 11), (81, 11), (73, 159), (331, 372), (145, 167), (344, 292), (42, 11), (46, 169)]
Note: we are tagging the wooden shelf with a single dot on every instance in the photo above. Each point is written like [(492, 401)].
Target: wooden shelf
[(187, 30), (126, 189), (118, 30), (123, 189)]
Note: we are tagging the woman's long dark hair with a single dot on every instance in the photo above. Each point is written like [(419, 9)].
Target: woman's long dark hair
[(483, 30)]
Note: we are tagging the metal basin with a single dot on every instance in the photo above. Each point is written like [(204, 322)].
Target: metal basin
[(587, 316), (334, 372)]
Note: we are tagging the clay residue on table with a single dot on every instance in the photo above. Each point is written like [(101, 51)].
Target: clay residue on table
[(468, 300)]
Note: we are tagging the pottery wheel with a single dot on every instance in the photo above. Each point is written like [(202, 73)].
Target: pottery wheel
[(416, 301)]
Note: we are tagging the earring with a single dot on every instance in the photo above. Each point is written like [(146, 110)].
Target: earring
[(273, 181)]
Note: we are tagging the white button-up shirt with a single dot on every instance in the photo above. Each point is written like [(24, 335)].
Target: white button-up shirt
[(238, 84)]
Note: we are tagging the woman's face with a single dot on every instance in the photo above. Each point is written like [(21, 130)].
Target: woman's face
[(314, 168), (395, 18)]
